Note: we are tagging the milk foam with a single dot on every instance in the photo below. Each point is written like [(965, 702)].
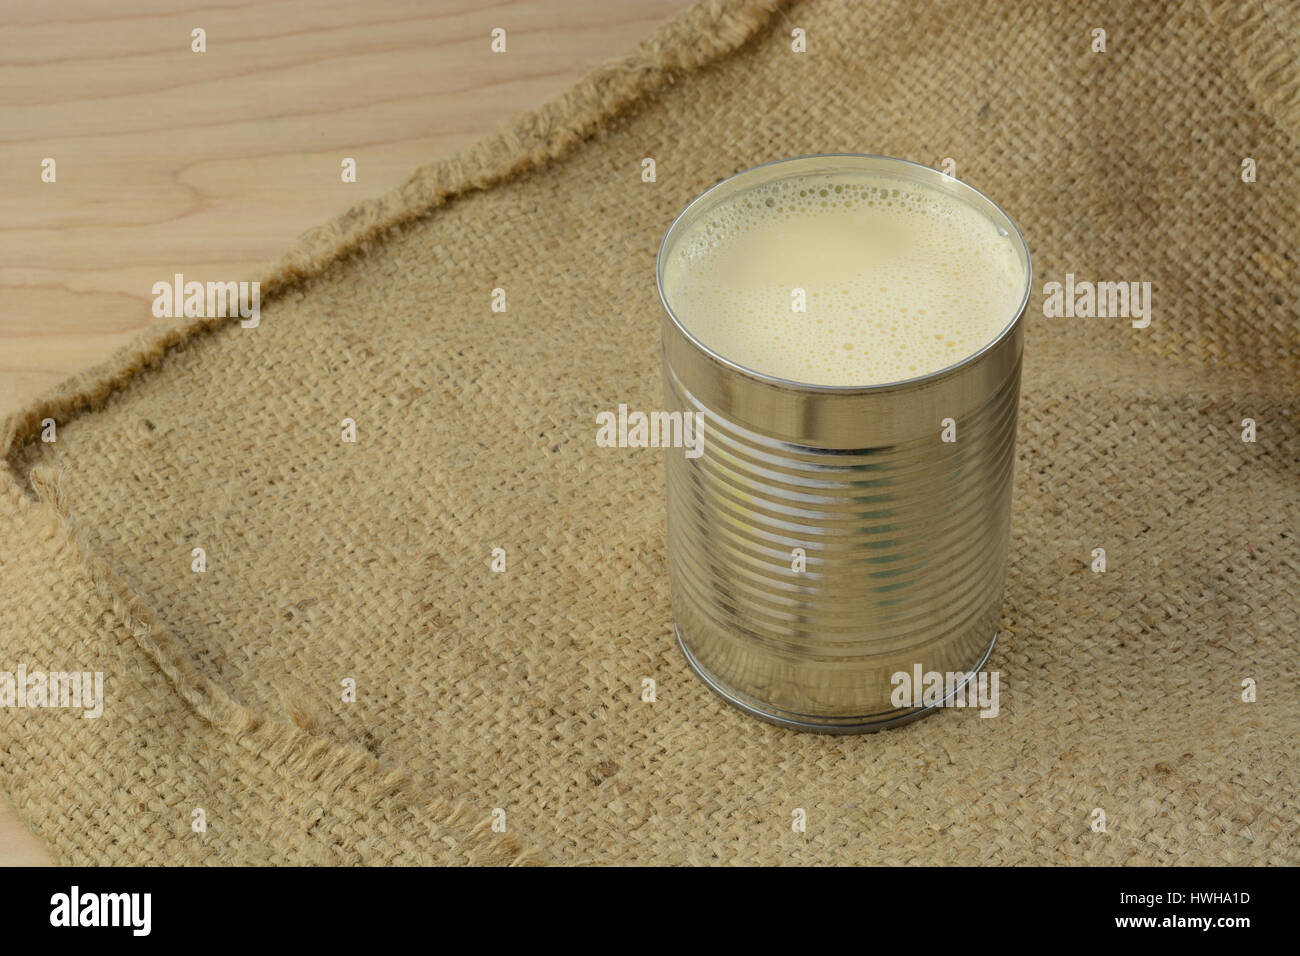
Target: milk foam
[(899, 279)]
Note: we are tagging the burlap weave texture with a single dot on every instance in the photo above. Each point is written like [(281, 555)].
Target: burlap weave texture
[(476, 430)]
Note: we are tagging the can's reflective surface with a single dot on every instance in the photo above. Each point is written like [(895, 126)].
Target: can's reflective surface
[(905, 535)]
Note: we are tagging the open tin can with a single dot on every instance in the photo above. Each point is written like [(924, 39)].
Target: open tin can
[(905, 535)]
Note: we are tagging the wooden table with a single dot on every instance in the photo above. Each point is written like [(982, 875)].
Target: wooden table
[(211, 164)]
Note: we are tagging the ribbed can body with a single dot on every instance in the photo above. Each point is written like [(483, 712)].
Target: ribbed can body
[(826, 540)]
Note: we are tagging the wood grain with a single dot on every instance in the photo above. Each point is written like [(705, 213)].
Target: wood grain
[(211, 164)]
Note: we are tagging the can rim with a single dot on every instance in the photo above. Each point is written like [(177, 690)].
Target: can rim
[(846, 389)]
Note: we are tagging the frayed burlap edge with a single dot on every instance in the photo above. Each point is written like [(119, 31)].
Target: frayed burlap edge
[(457, 832), (1265, 37), (702, 34)]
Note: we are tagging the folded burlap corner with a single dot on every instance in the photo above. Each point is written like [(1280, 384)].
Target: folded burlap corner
[(479, 692)]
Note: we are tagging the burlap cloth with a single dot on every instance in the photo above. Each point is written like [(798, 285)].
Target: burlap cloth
[(522, 690)]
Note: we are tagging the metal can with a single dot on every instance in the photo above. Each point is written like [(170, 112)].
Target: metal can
[(905, 535)]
